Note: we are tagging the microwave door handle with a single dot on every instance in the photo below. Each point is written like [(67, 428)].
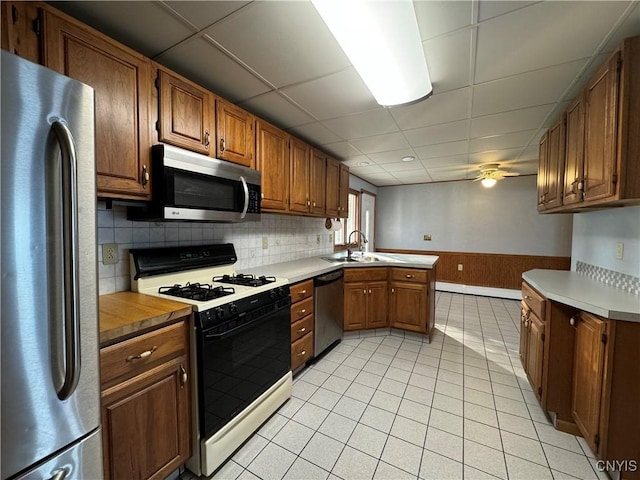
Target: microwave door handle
[(70, 242), (245, 187)]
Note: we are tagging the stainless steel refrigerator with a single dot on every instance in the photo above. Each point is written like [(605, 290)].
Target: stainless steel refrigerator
[(50, 379)]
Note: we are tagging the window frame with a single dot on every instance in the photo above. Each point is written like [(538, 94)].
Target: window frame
[(356, 221)]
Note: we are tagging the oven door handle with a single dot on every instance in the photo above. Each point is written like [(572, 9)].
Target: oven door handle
[(245, 188), (220, 336)]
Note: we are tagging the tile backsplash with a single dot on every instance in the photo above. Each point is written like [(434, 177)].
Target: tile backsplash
[(287, 237), (628, 283)]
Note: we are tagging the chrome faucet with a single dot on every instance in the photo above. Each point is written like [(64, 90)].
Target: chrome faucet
[(363, 239)]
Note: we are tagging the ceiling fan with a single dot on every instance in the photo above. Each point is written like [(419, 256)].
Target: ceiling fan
[(490, 173)]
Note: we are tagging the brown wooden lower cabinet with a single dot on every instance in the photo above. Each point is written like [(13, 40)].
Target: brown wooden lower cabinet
[(366, 298), (302, 323), (408, 306), (146, 407)]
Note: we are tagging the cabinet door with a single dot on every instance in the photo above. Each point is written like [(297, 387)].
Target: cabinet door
[(184, 114), (18, 33), (332, 188), (555, 164), (355, 311), (409, 306), (588, 373), (535, 353), (121, 80), (543, 170), (377, 305), (601, 127), (300, 155), (317, 182), (146, 423), (235, 134), (574, 155), (272, 151), (524, 334), (343, 204)]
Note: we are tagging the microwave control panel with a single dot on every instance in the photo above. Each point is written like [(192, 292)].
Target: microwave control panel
[(254, 199)]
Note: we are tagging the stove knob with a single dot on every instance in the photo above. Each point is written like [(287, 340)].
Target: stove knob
[(282, 292), (219, 312), (273, 294), (233, 308)]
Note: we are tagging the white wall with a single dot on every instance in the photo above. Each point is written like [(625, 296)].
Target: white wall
[(466, 217), (595, 235), (356, 183)]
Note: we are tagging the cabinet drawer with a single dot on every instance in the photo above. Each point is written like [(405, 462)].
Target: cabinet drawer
[(301, 350), (300, 328), (365, 274), (534, 300), (301, 290), (301, 309), (409, 275), (132, 356)]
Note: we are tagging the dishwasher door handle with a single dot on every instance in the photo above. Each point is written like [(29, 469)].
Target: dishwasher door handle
[(328, 278)]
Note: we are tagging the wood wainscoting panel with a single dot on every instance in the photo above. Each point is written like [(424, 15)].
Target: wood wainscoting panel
[(495, 270)]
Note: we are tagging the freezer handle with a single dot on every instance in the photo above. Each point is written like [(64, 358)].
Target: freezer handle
[(70, 253)]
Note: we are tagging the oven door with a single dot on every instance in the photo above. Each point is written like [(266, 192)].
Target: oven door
[(239, 365)]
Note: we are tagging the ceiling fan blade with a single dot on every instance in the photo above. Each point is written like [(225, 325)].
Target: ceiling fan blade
[(510, 174)]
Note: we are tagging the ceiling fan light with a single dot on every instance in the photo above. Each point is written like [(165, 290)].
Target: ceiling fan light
[(488, 182), (383, 42)]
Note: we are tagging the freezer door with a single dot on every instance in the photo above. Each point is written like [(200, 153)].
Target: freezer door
[(75, 463), (50, 377)]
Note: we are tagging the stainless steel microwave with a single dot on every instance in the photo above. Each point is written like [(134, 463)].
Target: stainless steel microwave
[(188, 186)]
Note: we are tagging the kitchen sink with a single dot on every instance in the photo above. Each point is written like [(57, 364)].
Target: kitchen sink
[(357, 258)]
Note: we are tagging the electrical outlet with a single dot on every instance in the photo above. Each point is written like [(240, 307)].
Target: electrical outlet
[(619, 250), (427, 238), (109, 253), (265, 243), (459, 267), (331, 238)]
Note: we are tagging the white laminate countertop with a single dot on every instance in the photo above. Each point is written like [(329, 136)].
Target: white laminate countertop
[(298, 270), (584, 293)]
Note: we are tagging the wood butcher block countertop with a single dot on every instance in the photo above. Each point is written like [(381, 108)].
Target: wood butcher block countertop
[(124, 314)]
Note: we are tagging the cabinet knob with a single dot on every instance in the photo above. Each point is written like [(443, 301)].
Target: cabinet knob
[(144, 178), (314, 204), (302, 293), (302, 353), (573, 320), (206, 139), (364, 291), (410, 276), (527, 297), (369, 291), (393, 290), (308, 203), (302, 330), (222, 144), (302, 312)]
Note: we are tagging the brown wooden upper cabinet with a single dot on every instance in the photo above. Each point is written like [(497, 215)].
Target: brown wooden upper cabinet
[(332, 188), (299, 176), (272, 155), (343, 203), (551, 166), (603, 137), (185, 113), (21, 22), (235, 139), (120, 78), (317, 183)]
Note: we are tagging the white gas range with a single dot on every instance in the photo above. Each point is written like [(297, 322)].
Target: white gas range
[(241, 341)]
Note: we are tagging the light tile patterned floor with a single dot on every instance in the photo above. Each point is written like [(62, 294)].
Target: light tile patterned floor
[(385, 405)]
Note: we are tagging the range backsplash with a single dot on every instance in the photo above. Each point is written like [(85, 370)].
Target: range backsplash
[(288, 238)]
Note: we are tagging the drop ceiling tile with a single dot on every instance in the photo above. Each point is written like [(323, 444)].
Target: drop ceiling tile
[(286, 42), (495, 156), (446, 132), (530, 153), (539, 87), (277, 109), (523, 40), (332, 96), (315, 133), (629, 27), (122, 21), (393, 156), (341, 150), (366, 124), (439, 108), (507, 122), (447, 176), (498, 142), (447, 74), (203, 14), (379, 179), (492, 8), (446, 162), (368, 170), (587, 72), (381, 143), (206, 65), (442, 150), (438, 17), (414, 166)]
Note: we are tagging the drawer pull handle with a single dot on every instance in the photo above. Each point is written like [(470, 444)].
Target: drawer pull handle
[(527, 297), (142, 355), (409, 276), (302, 353), (302, 330), (183, 376), (302, 312), (302, 293)]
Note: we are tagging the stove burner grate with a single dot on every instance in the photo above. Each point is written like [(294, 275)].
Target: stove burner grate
[(248, 280), (196, 291)]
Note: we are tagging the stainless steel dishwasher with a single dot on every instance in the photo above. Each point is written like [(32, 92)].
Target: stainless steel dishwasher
[(328, 310)]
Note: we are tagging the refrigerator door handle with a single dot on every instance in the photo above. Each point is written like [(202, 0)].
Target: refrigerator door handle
[(70, 247)]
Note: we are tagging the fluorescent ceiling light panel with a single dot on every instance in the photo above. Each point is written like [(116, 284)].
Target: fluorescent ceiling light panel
[(382, 40)]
